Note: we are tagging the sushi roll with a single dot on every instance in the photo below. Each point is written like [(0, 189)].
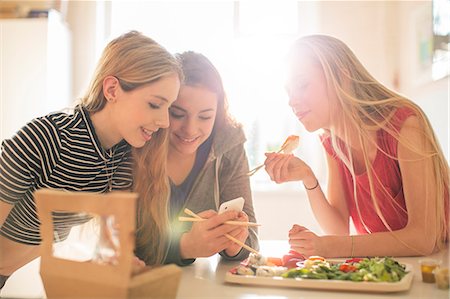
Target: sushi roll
[(243, 270), (256, 260), (270, 271)]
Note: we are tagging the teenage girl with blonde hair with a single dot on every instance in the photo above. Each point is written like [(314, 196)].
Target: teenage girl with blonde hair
[(126, 106), (386, 170)]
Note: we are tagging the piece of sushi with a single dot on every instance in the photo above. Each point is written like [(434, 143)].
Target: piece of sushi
[(243, 270), (290, 144), (270, 271), (256, 260)]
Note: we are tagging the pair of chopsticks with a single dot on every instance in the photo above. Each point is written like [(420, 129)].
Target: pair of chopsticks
[(254, 170), (242, 244), (240, 223)]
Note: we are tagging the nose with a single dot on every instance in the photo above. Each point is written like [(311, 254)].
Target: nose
[(294, 100), (291, 101), (293, 97), (189, 126), (163, 122)]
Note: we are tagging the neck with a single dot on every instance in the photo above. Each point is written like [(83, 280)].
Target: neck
[(176, 156), (102, 124), (353, 137), (179, 165)]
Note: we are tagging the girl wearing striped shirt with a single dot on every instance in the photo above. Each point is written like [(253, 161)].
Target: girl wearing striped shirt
[(93, 149)]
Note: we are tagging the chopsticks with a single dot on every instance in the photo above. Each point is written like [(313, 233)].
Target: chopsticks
[(254, 170), (241, 223), (190, 213)]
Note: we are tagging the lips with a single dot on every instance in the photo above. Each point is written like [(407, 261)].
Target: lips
[(187, 140), (301, 115), (147, 134)]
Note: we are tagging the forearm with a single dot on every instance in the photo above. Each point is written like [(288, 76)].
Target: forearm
[(174, 254), (5, 208), (404, 242), (251, 241), (14, 255), (329, 219)]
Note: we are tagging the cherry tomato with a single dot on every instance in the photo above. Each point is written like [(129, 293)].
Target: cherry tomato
[(275, 261), (354, 260), (291, 259), (347, 268)]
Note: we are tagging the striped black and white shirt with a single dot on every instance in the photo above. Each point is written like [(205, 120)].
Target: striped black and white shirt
[(58, 151)]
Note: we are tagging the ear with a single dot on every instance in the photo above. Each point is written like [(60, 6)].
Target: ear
[(110, 88)]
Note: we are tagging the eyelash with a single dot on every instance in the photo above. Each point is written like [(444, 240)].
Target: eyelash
[(153, 106), (179, 116)]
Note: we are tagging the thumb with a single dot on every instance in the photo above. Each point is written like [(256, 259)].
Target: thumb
[(296, 228)]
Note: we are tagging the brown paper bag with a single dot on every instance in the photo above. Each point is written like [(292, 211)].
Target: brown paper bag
[(63, 278)]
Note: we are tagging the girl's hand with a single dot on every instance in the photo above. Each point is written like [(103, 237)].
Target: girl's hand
[(305, 241), (240, 233), (286, 167), (207, 238)]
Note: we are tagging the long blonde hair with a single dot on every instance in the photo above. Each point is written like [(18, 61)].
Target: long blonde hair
[(137, 60), (369, 106)]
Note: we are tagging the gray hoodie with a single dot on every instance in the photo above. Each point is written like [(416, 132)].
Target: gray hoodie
[(222, 178)]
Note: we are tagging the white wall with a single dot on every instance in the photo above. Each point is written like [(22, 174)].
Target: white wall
[(35, 70), (368, 28), (81, 17)]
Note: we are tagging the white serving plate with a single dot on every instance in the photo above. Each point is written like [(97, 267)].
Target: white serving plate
[(323, 284)]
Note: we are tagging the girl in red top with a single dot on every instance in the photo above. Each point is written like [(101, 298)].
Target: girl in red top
[(386, 170)]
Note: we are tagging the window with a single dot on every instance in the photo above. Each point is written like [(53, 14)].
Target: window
[(441, 38)]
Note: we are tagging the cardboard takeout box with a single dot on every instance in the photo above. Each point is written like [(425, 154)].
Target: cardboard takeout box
[(64, 278)]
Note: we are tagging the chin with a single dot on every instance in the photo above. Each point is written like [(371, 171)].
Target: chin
[(310, 128), (136, 144), (187, 149)]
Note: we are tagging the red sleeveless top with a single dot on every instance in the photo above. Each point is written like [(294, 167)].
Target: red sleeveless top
[(388, 185)]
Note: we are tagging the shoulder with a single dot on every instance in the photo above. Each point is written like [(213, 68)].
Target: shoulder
[(401, 114), (408, 123), (412, 129), (35, 132), (51, 123), (231, 132), (228, 139), (413, 139)]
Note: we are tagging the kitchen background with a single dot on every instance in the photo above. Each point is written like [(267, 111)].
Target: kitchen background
[(48, 50), (48, 56)]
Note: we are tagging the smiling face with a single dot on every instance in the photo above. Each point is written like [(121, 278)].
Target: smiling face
[(137, 114), (192, 118), (308, 96)]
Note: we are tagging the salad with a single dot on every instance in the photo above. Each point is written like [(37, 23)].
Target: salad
[(367, 269), (294, 265)]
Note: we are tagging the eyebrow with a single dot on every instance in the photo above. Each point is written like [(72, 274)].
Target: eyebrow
[(184, 110), (161, 98)]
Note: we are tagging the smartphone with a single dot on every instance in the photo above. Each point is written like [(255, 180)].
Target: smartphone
[(236, 204)]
